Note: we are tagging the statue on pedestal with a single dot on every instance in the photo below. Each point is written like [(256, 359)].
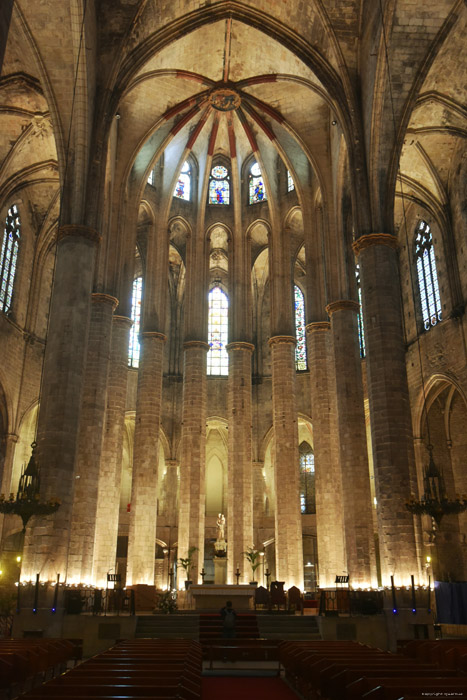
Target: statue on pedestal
[(220, 545)]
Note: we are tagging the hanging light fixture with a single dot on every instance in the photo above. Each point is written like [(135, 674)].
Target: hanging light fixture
[(435, 501), (27, 502)]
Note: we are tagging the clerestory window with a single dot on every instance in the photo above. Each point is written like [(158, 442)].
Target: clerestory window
[(183, 186), (9, 257), (300, 348), (134, 347), (427, 276), (218, 332)]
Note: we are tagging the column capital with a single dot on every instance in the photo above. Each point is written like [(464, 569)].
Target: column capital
[(318, 326), (78, 232), (123, 320), (282, 340), (171, 462), (240, 345), (343, 305), (98, 298), (200, 344), (153, 335), (371, 239), (12, 437)]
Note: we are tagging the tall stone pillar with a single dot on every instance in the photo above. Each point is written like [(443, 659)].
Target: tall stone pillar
[(46, 547), (171, 491), (240, 489), (193, 456), (90, 439), (358, 527), (391, 421), (328, 478), (108, 494), (5, 486), (142, 537), (289, 549), (258, 495)]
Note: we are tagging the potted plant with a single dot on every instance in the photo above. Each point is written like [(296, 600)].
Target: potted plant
[(186, 563), (252, 557), (167, 602)]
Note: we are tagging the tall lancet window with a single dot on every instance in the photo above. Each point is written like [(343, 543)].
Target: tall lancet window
[(300, 348), (307, 479), (219, 185), (427, 276), (134, 349), (218, 326), (8, 257), (290, 182), (256, 189), (183, 186), (361, 327)]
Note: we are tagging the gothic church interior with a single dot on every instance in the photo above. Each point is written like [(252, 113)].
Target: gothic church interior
[(233, 280)]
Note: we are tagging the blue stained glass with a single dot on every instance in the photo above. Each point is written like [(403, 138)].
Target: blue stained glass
[(218, 327), (300, 348), (134, 348), (183, 186), (256, 189), (427, 275), (8, 257), (290, 182), (219, 192)]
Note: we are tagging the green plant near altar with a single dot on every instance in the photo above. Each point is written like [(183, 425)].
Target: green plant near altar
[(253, 558), (187, 562), (167, 602)]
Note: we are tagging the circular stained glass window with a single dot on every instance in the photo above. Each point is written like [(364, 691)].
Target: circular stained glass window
[(255, 170), (219, 172)]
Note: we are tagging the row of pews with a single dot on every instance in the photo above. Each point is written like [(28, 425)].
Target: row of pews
[(146, 668), (26, 662), (353, 671)]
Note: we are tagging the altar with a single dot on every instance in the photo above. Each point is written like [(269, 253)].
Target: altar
[(213, 596)]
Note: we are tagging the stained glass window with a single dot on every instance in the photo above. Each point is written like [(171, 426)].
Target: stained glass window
[(256, 185), (134, 349), (218, 358), (219, 186), (290, 182), (183, 186), (300, 348), (307, 479), (427, 276), (361, 327), (9, 257), (151, 178)]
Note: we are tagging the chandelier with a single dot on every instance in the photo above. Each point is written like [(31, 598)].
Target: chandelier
[(27, 502), (435, 501)]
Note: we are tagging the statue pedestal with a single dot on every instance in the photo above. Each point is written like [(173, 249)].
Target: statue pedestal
[(220, 570)]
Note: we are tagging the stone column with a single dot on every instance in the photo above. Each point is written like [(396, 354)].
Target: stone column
[(193, 456), (108, 496), (328, 478), (240, 487), (359, 539), (258, 495), (5, 486), (90, 439), (171, 491), (391, 420), (289, 550), (142, 536), (46, 547)]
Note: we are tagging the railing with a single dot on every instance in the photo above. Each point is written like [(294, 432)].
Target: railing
[(74, 600)]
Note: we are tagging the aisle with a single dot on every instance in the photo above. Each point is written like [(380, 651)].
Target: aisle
[(234, 688)]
